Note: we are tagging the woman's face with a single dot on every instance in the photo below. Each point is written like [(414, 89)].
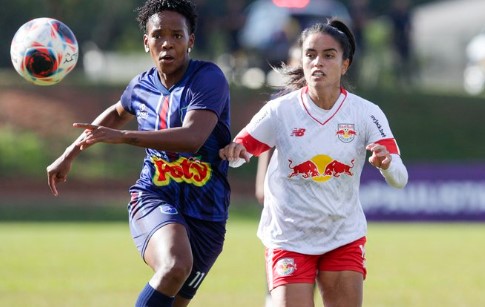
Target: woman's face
[(168, 40), (322, 61)]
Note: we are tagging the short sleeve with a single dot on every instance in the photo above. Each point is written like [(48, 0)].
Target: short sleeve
[(127, 96), (209, 90), (378, 129)]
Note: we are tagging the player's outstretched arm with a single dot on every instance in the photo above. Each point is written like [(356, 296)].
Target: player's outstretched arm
[(115, 116), (196, 128), (57, 172)]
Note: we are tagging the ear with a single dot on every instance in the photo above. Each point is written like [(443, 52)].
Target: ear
[(145, 43), (191, 42), (345, 66)]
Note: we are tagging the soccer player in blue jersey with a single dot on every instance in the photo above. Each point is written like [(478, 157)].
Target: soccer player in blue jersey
[(179, 205)]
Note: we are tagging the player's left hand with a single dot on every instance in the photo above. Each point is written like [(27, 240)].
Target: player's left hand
[(234, 151), (380, 157), (96, 134)]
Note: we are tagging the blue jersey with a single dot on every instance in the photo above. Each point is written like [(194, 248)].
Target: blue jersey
[(195, 183)]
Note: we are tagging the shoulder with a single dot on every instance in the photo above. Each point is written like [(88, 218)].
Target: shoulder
[(288, 100), (147, 74), (362, 105), (206, 75), (206, 68), (144, 78)]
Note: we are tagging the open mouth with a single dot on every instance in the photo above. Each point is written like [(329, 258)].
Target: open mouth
[(167, 58), (318, 74)]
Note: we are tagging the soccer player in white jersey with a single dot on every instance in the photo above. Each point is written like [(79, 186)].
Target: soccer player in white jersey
[(312, 224)]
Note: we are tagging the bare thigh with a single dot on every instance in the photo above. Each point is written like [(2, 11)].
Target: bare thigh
[(169, 250), (341, 289), (293, 295)]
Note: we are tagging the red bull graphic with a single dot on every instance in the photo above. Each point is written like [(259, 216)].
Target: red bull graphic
[(346, 132), (306, 169), (336, 168), (190, 170), (285, 267), (321, 168)]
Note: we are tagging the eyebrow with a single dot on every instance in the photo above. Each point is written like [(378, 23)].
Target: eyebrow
[(165, 29), (325, 50)]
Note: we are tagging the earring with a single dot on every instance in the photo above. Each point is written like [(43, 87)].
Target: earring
[(147, 49), (189, 50)]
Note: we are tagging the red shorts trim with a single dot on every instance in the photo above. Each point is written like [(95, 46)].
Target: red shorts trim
[(286, 267)]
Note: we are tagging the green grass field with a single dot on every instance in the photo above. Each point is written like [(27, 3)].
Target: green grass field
[(96, 264)]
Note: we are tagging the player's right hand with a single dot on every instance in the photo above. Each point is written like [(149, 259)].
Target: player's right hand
[(57, 172)]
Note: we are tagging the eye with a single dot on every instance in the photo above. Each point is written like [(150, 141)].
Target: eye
[(310, 55), (178, 36)]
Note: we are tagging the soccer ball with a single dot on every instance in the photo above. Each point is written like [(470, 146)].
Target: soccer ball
[(44, 50)]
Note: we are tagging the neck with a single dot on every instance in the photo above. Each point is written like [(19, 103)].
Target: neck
[(324, 100), (170, 79)]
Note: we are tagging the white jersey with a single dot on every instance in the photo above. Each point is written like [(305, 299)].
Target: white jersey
[(311, 202)]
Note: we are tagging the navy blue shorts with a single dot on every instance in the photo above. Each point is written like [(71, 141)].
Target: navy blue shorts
[(147, 214)]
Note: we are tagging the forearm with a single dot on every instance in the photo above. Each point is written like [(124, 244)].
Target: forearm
[(113, 117), (196, 128), (175, 139), (396, 175)]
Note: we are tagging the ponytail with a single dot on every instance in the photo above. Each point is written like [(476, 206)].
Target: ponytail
[(342, 27), (294, 76)]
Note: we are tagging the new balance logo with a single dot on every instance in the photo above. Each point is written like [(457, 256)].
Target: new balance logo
[(298, 132)]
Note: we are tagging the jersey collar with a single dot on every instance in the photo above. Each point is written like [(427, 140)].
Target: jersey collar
[(318, 114)]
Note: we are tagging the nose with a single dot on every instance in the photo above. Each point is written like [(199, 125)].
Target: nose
[(166, 44), (318, 62)]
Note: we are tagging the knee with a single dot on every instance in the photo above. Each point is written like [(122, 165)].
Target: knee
[(175, 271)]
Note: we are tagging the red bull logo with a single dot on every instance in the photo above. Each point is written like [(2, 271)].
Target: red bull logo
[(190, 170), (320, 168), (346, 132), (285, 266)]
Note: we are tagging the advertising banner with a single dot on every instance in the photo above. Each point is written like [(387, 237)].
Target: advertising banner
[(448, 192)]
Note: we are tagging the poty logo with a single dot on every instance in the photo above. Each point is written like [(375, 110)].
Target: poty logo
[(285, 266), (298, 132), (191, 171)]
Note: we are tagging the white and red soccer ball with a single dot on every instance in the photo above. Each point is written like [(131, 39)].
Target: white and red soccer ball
[(44, 50)]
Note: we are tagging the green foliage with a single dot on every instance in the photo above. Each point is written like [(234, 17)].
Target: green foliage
[(108, 161), (21, 153), (433, 127)]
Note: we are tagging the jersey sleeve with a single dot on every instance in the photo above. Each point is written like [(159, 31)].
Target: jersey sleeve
[(396, 175), (209, 90), (259, 135), (378, 129), (127, 96)]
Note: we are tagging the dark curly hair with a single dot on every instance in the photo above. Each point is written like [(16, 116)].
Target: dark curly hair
[(184, 7)]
